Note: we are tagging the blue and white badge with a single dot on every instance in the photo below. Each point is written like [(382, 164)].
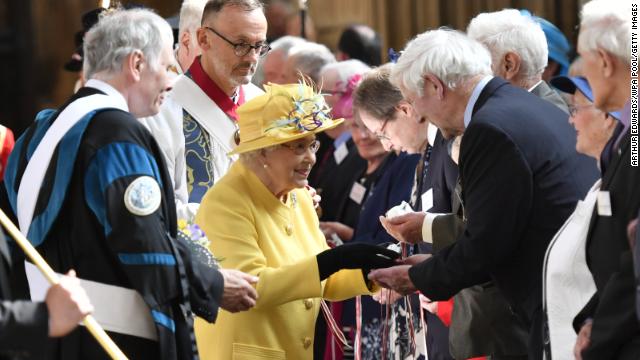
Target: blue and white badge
[(143, 196)]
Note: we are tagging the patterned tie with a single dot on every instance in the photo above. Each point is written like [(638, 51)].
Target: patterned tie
[(420, 178)]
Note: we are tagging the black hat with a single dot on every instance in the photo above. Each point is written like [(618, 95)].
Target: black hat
[(89, 19)]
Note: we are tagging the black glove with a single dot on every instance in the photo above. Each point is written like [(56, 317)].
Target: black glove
[(354, 256)]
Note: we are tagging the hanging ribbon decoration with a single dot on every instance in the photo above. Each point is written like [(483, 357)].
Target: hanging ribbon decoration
[(357, 342), (90, 323), (338, 335), (409, 317)]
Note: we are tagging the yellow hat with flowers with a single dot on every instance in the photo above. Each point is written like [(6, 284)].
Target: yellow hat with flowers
[(283, 113)]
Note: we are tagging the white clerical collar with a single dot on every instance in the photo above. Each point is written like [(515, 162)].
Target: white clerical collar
[(534, 86), (474, 97), (109, 90)]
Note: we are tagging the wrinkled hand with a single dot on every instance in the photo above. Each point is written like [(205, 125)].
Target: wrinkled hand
[(584, 340), (68, 304), (395, 278), (406, 228), (415, 259), (239, 294), (386, 296), (329, 228), (315, 197)]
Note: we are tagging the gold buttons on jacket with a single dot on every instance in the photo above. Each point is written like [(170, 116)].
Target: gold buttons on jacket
[(289, 229), (306, 342), (308, 303)]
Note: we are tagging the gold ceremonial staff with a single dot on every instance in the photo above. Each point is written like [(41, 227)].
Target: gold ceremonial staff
[(90, 323)]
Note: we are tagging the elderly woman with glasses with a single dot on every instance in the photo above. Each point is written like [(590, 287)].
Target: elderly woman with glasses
[(261, 220), (568, 283)]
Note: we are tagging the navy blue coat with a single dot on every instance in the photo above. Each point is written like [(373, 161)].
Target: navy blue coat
[(521, 178)]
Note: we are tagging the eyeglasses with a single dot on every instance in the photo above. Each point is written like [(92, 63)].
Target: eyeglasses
[(380, 133), (241, 49), (301, 148), (573, 109)]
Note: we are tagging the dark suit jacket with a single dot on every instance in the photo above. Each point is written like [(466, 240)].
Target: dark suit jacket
[(393, 187), (521, 179), (333, 182), (545, 92), (615, 326), (24, 325), (442, 176), (482, 322)]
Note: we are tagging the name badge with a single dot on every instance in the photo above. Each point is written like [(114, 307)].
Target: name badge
[(357, 193), (427, 200), (340, 153), (604, 203)]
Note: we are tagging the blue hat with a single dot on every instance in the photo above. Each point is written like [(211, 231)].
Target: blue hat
[(570, 84), (557, 43)]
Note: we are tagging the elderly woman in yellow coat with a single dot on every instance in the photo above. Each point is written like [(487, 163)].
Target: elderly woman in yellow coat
[(261, 220)]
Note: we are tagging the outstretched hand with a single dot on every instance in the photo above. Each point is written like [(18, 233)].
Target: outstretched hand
[(366, 256), (395, 278), (405, 228), (354, 256)]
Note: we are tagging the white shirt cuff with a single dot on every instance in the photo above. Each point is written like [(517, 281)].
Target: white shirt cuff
[(427, 223)]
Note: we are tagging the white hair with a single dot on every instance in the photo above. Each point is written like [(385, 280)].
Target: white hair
[(510, 31), (285, 43), (118, 33), (310, 57), (191, 16), (606, 24), (448, 54), (345, 70)]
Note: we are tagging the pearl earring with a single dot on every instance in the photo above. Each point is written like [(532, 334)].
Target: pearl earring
[(265, 166)]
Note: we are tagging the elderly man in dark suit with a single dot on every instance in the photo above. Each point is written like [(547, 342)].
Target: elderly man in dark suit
[(608, 327), (520, 178)]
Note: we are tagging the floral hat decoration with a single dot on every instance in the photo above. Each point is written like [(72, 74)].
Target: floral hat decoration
[(283, 113)]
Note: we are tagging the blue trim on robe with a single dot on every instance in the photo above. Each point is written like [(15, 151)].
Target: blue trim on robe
[(163, 320), (42, 124), (110, 163), (41, 130), (147, 259), (67, 151)]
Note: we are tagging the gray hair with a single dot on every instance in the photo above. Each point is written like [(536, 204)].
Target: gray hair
[(249, 156), (121, 32), (345, 69), (376, 95), (191, 16), (309, 58), (448, 54), (285, 43), (510, 31), (213, 7), (606, 24)]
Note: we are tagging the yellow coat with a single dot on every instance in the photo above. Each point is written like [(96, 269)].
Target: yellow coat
[(256, 233)]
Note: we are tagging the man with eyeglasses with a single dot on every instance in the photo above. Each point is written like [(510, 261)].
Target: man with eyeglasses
[(203, 102)]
